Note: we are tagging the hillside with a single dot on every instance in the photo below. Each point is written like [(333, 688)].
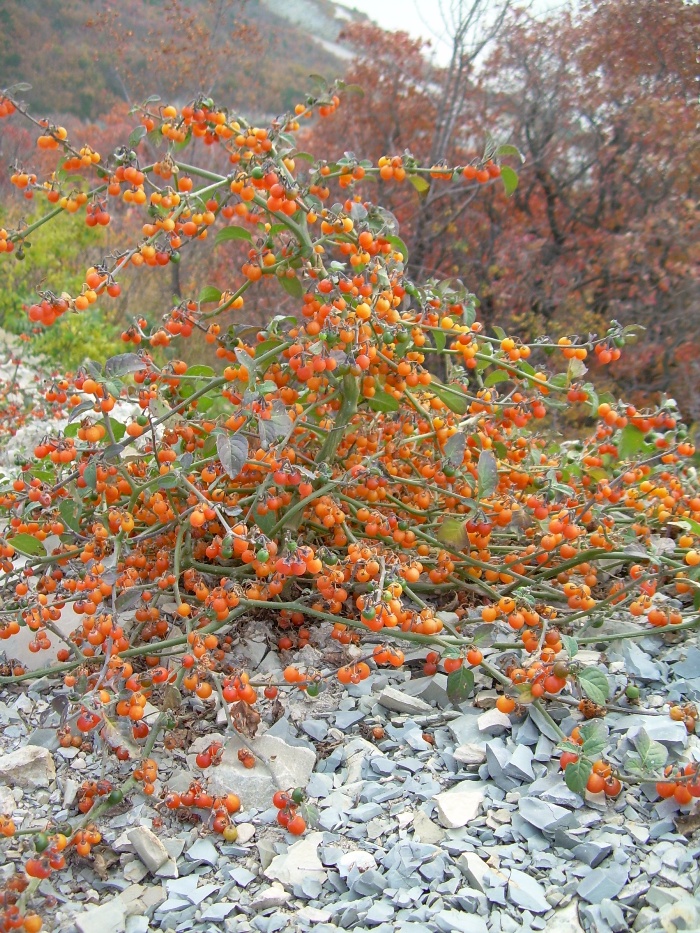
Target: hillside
[(83, 56)]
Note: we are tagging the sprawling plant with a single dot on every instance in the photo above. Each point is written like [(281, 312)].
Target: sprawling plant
[(321, 472)]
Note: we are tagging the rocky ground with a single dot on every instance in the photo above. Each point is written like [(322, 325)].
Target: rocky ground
[(456, 820)]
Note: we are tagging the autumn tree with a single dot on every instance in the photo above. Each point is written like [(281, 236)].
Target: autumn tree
[(600, 102)]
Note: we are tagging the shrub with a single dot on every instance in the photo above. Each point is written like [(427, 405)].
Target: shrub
[(324, 473)]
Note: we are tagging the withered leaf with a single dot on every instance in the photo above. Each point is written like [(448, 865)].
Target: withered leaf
[(172, 698), (244, 718)]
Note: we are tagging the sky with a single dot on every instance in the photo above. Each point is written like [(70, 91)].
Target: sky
[(422, 18)]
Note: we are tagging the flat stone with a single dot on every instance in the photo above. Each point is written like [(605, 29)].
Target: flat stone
[(110, 916), (44, 738), (543, 724), (267, 898), (473, 868), (298, 862), (612, 915), (494, 722), (281, 765), (638, 663), (458, 807), (203, 850), (359, 859), (658, 897), (689, 668), (345, 719), (431, 689), (520, 764), (527, 893), (465, 728), (603, 883), (457, 921), (7, 801), (565, 920), (543, 815), (399, 702), (246, 831), (218, 912), (316, 728), (379, 912), (313, 914), (683, 915), (592, 852), (29, 767), (646, 919), (426, 830), (148, 847), (469, 754)]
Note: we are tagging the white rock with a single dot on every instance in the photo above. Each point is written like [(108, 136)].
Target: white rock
[(300, 861), (246, 831), (473, 868), (274, 896), (470, 754), (279, 767), (31, 766), (399, 702), (494, 722), (426, 830), (359, 859), (148, 847), (457, 807), (110, 916), (565, 920), (7, 801)]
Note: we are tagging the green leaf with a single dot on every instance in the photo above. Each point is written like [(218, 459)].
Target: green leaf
[(209, 294), (136, 136), (483, 635), (570, 644), (278, 425), (576, 775), (232, 233), (118, 429), (399, 245), (169, 480), (233, 452), (292, 286), (631, 442), (200, 370), (440, 338), (456, 402), (460, 684), (265, 522), (90, 475), (453, 533), (122, 364), (595, 738), (382, 401), (509, 177), (70, 512), (421, 184), (487, 471), (498, 375), (27, 544), (78, 410), (652, 754), (454, 449), (508, 149), (594, 684), (266, 345)]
